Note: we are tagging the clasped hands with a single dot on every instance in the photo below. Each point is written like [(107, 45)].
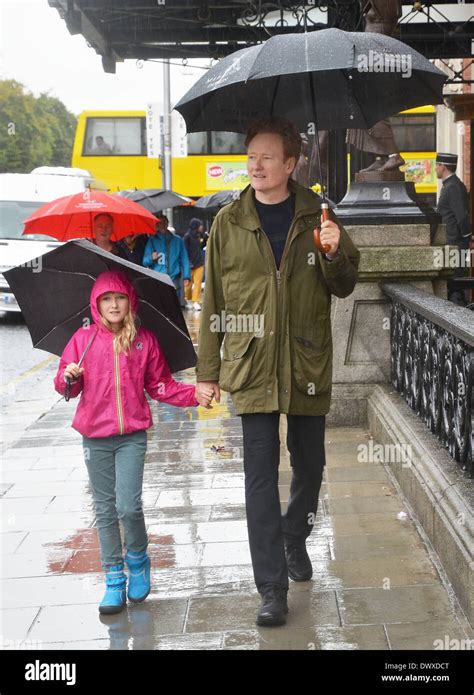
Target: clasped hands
[(206, 391)]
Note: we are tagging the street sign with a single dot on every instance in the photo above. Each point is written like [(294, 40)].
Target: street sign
[(179, 143), (153, 129)]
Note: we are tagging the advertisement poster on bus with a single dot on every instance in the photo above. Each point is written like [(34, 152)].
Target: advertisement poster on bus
[(224, 176), (420, 169)]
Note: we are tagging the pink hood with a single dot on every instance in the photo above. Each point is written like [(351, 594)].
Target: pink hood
[(111, 281)]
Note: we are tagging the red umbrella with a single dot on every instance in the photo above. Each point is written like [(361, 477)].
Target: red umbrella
[(72, 217)]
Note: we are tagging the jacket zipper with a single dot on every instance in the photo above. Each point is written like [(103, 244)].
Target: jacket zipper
[(278, 271), (118, 397)]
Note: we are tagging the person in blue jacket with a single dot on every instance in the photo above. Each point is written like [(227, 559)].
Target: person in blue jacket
[(165, 252)]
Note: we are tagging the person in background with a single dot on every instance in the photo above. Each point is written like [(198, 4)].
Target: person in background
[(133, 246), (193, 242), (453, 206), (103, 228), (101, 147), (165, 253)]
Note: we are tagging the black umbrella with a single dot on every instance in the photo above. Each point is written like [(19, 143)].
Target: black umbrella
[(344, 79), (155, 199), (217, 200), (55, 300)]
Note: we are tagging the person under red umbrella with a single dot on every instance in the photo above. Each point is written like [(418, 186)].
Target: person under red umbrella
[(103, 229), (73, 217)]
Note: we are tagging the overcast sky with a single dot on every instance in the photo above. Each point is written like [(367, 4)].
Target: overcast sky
[(38, 51)]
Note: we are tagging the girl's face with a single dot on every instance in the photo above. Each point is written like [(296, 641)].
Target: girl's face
[(113, 306)]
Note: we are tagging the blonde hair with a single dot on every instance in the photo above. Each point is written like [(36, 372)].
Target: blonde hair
[(125, 337)]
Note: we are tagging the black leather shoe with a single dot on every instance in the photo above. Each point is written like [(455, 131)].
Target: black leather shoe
[(300, 568), (274, 606)]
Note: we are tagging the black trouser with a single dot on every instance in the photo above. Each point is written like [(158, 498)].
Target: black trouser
[(267, 528), (455, 295)]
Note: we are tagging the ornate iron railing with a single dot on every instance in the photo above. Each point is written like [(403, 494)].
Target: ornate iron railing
[(432, 365)]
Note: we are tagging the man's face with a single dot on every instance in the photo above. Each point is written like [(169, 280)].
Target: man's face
[(162, 225), (266, 164), (439, 170), (103, 228)]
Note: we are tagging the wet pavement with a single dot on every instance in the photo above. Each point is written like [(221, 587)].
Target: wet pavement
[(376, 583)]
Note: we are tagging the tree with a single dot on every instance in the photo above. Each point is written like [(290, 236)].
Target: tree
[(34, 131)]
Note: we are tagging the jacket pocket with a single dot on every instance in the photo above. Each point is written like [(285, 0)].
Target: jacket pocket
[(312, 367), (237, 355)]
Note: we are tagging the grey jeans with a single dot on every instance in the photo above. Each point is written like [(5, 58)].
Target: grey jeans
[(115, 466)]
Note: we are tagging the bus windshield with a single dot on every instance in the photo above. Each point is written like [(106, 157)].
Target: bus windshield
[(12, 215)]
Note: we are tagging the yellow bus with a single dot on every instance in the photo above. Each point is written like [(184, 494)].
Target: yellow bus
[(112, 146), (415, 135)]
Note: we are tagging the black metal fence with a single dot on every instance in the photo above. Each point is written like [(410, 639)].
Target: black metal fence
[(432, 365)]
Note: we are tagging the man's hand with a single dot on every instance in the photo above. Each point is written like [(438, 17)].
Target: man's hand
[(187, 283), (330, 235), (206, 390), (154, 256)]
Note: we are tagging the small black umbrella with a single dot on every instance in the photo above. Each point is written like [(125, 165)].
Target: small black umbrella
[(155, 199), (55, 300), (218, 199), (345, 79)]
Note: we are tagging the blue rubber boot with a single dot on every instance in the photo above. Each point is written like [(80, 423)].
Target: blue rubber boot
[(114, 599), (139, 575)]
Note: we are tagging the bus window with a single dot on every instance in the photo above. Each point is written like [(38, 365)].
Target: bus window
[(197, 143), (216, 142), (115, 136), (223, 142), (414, 133)]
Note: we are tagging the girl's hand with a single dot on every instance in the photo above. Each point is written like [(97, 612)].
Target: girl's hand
[(204, 395), (73, 371)]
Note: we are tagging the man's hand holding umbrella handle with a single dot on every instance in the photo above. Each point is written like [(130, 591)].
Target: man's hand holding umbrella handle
[(325, 239), (205, 391), (330, 236)]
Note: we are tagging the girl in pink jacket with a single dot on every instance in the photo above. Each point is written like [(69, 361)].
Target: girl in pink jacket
[(122, 362)]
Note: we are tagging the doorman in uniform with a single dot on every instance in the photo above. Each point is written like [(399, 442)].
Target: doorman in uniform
[(453, 206)]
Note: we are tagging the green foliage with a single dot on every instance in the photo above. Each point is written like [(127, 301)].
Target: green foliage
[(34, 131)]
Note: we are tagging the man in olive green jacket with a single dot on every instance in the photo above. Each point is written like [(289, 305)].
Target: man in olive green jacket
[(265, 337)]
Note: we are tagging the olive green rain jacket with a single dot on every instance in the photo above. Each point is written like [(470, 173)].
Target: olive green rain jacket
[(265, 333)]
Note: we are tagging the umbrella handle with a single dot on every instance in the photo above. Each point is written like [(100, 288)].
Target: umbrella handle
[(67, 391), (324, 248)]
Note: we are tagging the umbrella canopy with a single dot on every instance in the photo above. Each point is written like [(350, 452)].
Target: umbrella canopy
[(72, 217), (155, 199), (346, 79), (217, 200), (55, 301)]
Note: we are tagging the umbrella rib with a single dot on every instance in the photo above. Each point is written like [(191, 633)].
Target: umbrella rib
[(70, 272), (69, 318), (275, 93), (144, 301)]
